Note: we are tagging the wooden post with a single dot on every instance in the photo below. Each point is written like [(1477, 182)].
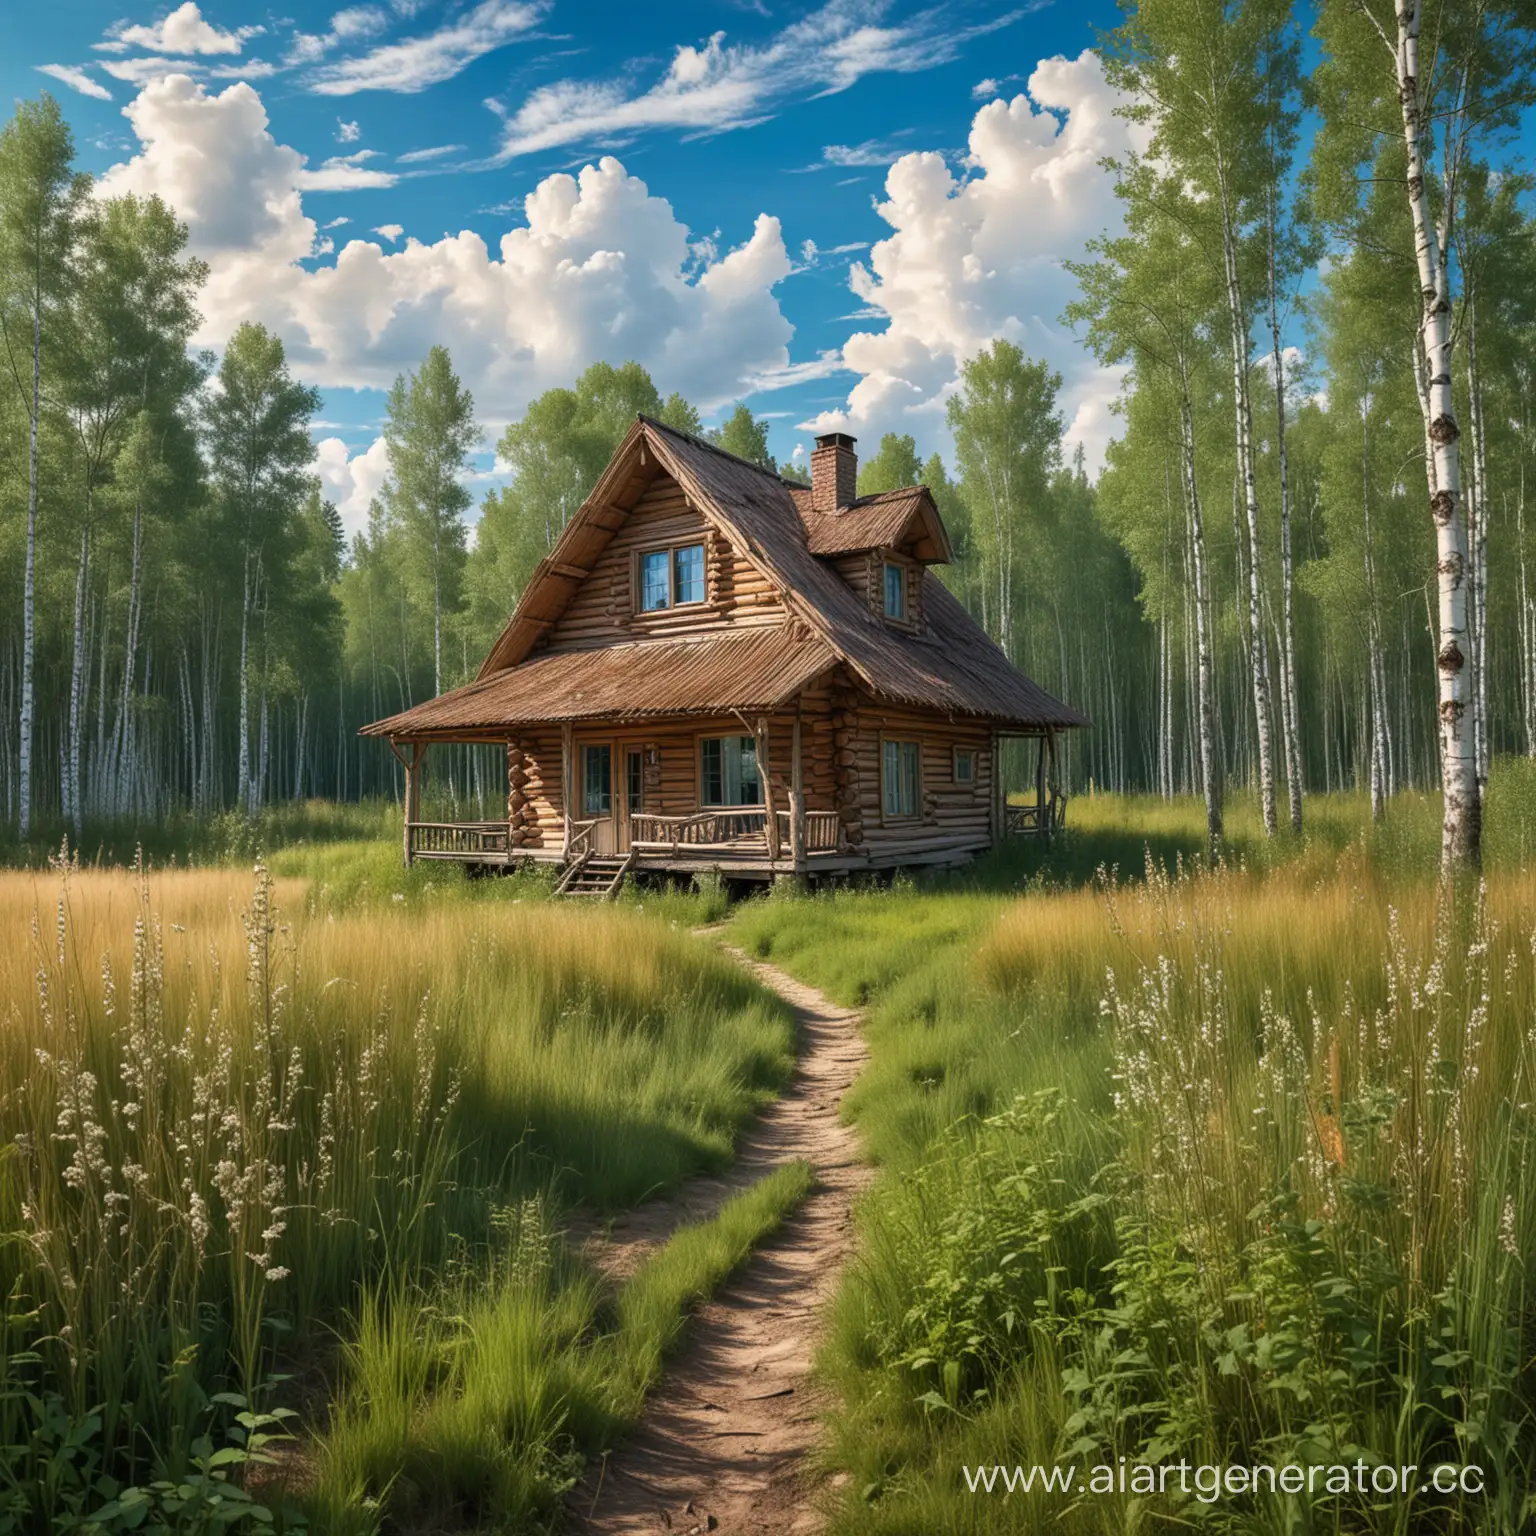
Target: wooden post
[(1040, 826), (765, 778), (796, 797), (412, 790), (1050, 747), (567, 778), (998, 796)]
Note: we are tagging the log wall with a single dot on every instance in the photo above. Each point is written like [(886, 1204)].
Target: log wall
[(605, 608), (841, 733)]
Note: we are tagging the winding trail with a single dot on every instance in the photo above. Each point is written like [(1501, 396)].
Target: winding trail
[(725, 1439)]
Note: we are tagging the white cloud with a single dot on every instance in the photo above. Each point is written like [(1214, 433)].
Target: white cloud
[(347, 133), (390, 232), (76, 79), (716, 86), (182, 31), (973, 258), (598, 268), (848, 156), (345, 173), (337, 223), (355, 24), (351, 481), (418, 62), (142, 72), (984, 90), (436, 152)]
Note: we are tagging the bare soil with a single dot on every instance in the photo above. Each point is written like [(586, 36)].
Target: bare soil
[(724, 1445)]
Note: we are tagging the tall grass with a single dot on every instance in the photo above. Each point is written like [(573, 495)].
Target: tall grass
[(481, 1399), (1225, 1167), (225, 1115)]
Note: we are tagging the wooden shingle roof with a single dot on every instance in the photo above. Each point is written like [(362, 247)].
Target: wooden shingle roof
[(756, 669), (952, 666)]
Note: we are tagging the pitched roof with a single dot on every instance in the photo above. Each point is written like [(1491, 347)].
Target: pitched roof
[(753, 669), (953, 667)]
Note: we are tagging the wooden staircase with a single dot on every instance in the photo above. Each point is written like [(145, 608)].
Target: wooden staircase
[(595, 875)]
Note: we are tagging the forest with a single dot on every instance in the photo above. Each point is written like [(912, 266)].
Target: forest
[(1251, 592)]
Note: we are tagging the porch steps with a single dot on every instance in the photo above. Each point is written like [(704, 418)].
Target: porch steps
[(596, 875)]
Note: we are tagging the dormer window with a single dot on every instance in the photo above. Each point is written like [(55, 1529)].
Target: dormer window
[(895, 590), (670, 578)]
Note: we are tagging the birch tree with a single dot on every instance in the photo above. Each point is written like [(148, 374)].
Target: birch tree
[(1414, 92), (1200, 74), (430, 431), (41, 204), (256, 432)]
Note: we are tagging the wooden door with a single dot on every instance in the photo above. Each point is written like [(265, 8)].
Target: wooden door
[(631, 793)]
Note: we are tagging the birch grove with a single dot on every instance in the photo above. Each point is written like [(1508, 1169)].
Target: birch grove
[(1305, 338)]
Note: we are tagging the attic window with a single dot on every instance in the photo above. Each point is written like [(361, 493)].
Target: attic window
[(895, 591), (671, 577)]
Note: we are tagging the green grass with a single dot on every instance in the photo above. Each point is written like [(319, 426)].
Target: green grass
[(232, 1109), (478, 1402), (1230, 1166)]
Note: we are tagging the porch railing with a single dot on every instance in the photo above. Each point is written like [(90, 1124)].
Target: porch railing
[(747, 827), (1036, 820), (823, 829), (582, 838), (457, 839)]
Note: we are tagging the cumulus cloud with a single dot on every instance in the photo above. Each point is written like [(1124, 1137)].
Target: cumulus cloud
[(347, 133), (351, 481), (183, 31), (415, 63), (716, 85), (978, 256), (76, 79), (597, 268), (390, 232)]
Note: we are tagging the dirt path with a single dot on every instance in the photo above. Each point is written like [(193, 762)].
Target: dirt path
[(723, 1443)]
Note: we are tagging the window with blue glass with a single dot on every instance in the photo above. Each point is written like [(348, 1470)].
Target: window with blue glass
[(899, 775), (728, 771), (671, 577), (597, 780), (688, 574), (895, 591), (655, 587)]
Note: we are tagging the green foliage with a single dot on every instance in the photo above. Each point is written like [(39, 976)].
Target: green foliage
[(1146, 1188), (744, 435), (893, 465)]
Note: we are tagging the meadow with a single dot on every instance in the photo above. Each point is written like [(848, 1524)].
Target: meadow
[(1226, 1166), (287, 1165)]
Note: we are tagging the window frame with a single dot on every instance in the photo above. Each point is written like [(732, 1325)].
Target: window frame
[(705, 804), (887, 567), (592, 747), (901, 742), (969, 754), (672, 553)]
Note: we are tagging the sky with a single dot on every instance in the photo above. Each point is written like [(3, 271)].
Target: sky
[(818, 209)]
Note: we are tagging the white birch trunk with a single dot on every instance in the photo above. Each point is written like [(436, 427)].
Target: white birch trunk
[(1290, 713), (1238, 322), (73, 810), (1462, 829), (1210, 769), (29, 581)]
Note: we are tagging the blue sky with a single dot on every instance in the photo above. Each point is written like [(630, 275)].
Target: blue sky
[(763, 134)]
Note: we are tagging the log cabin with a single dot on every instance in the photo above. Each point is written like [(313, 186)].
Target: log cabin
[(719, 669)]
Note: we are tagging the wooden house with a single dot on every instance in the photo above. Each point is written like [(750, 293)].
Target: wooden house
[(716, 668)]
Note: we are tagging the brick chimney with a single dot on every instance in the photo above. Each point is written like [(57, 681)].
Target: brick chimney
[(834, 472)]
